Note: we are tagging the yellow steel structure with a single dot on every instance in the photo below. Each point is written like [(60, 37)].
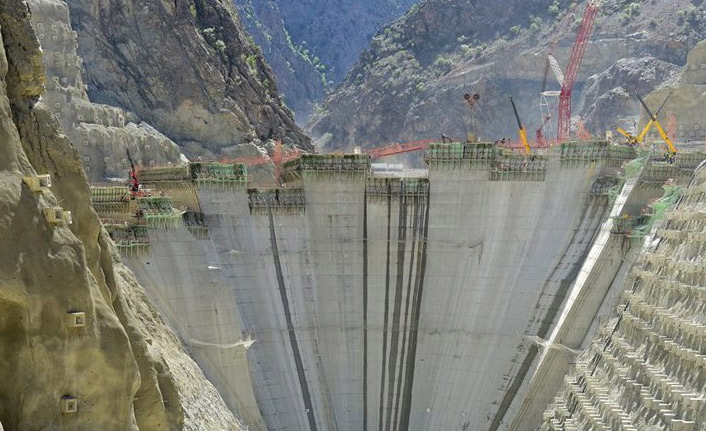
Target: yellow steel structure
[(522, 132)]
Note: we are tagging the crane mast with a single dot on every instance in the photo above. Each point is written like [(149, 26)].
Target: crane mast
[(577, 53)]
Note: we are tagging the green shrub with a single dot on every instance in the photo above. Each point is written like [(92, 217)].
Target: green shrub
[(251, 60)]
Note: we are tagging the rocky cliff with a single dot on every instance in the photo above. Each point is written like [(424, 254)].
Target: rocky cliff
[(683, 115), (185, 67), (82, 347), (301, 81), (311, 45), (410, 83), (102, 133)]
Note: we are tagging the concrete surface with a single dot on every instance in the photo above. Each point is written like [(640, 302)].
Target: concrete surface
[(400, 303)]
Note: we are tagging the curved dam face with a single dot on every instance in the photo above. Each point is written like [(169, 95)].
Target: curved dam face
[(378, 302)]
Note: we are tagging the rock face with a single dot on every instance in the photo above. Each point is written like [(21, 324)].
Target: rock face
[(102, 133), (606, 99), (301, 83), (187, 68), (683, 116), (121, 369), (410, 83), (311, 45)]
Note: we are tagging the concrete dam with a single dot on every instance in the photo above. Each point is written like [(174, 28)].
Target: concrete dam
[(348, 299)]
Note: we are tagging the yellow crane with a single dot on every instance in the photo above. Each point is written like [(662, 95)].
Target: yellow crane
[(672, 149), (633, 141), (522, 132)]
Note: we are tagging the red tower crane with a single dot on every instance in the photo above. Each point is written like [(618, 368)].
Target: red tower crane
[(572, 70)]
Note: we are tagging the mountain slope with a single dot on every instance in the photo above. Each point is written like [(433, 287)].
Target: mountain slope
[(310, 45), (410, 83)]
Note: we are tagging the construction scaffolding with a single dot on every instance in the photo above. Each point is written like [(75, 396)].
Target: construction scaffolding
[(157, 212), (195, 222), (219, 174), (132, 239), (572, 153), (110, 200), (386, 187), (169, 173), (283, 200), (109, 194), (690, 160), (476, 155), (516, 167), (605, 186), (309, 165), (201, 172)]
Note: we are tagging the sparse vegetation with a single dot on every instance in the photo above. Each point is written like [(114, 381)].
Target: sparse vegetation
[(554, 8), (220, 45), (251, 60), (631, 11), (209, 33)]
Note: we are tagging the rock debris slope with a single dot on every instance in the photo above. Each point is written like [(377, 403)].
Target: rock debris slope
[(123, 370)]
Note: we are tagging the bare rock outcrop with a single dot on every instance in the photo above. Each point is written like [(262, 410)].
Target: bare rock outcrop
[(409, 84), (684, 113), (120, 368), (607, 100), (185, 67), (102, 133)]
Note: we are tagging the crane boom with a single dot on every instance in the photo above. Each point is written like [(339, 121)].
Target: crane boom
[(556, 69), (522, 132), (661, 131), (649, 124), (572, 70)]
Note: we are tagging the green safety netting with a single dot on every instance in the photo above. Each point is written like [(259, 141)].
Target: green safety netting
[(634, 167), (659, 208)]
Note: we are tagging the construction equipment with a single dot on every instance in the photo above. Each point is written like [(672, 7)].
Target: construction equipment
[(633, 141), (672, 149), (522, 132), (278, 158), (569, 77), (472, 101), (544, 108), (134, 181)]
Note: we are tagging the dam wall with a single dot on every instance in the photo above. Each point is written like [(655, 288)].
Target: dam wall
[(645, 367), (381, 301)]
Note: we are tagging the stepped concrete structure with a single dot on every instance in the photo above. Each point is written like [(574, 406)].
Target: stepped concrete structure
[(645, 368), (453, 298)]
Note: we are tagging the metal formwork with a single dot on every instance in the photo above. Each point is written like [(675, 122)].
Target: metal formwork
[(109, 194), (377, 187), (176, 173), (280, 199), (519, 168)]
